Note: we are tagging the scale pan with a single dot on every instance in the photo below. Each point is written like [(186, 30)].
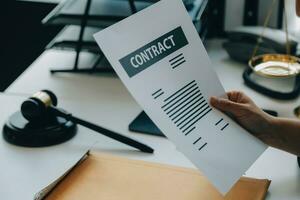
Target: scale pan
[(275, 65)]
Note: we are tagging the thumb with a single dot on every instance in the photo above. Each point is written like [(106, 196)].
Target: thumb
[(225, 105)]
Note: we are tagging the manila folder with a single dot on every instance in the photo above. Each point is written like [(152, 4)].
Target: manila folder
[(108, 177)]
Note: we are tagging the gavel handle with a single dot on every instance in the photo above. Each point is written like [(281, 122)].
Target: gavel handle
[(121, 138)]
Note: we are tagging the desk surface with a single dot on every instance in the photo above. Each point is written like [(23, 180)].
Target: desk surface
[(103, 99), (29, 170)]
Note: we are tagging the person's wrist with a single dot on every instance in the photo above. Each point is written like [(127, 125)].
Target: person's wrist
[(273, 127), (266, 129)]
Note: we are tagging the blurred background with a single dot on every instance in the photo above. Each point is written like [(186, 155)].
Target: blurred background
[(29, 26)]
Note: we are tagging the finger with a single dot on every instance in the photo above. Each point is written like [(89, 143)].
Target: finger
[(225, 105), (235, 95), (232, 95)]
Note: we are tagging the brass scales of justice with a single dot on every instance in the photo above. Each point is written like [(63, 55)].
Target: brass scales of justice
[(275, 65)]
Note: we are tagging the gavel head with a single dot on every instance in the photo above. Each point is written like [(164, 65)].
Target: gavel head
[(35, 108)]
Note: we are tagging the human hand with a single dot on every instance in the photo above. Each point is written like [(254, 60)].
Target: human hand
[(247, 114)]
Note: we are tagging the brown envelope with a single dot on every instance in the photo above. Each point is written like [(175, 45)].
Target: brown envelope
[(106, 177)]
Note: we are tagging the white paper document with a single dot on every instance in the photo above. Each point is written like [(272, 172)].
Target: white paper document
[(160, 58)]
